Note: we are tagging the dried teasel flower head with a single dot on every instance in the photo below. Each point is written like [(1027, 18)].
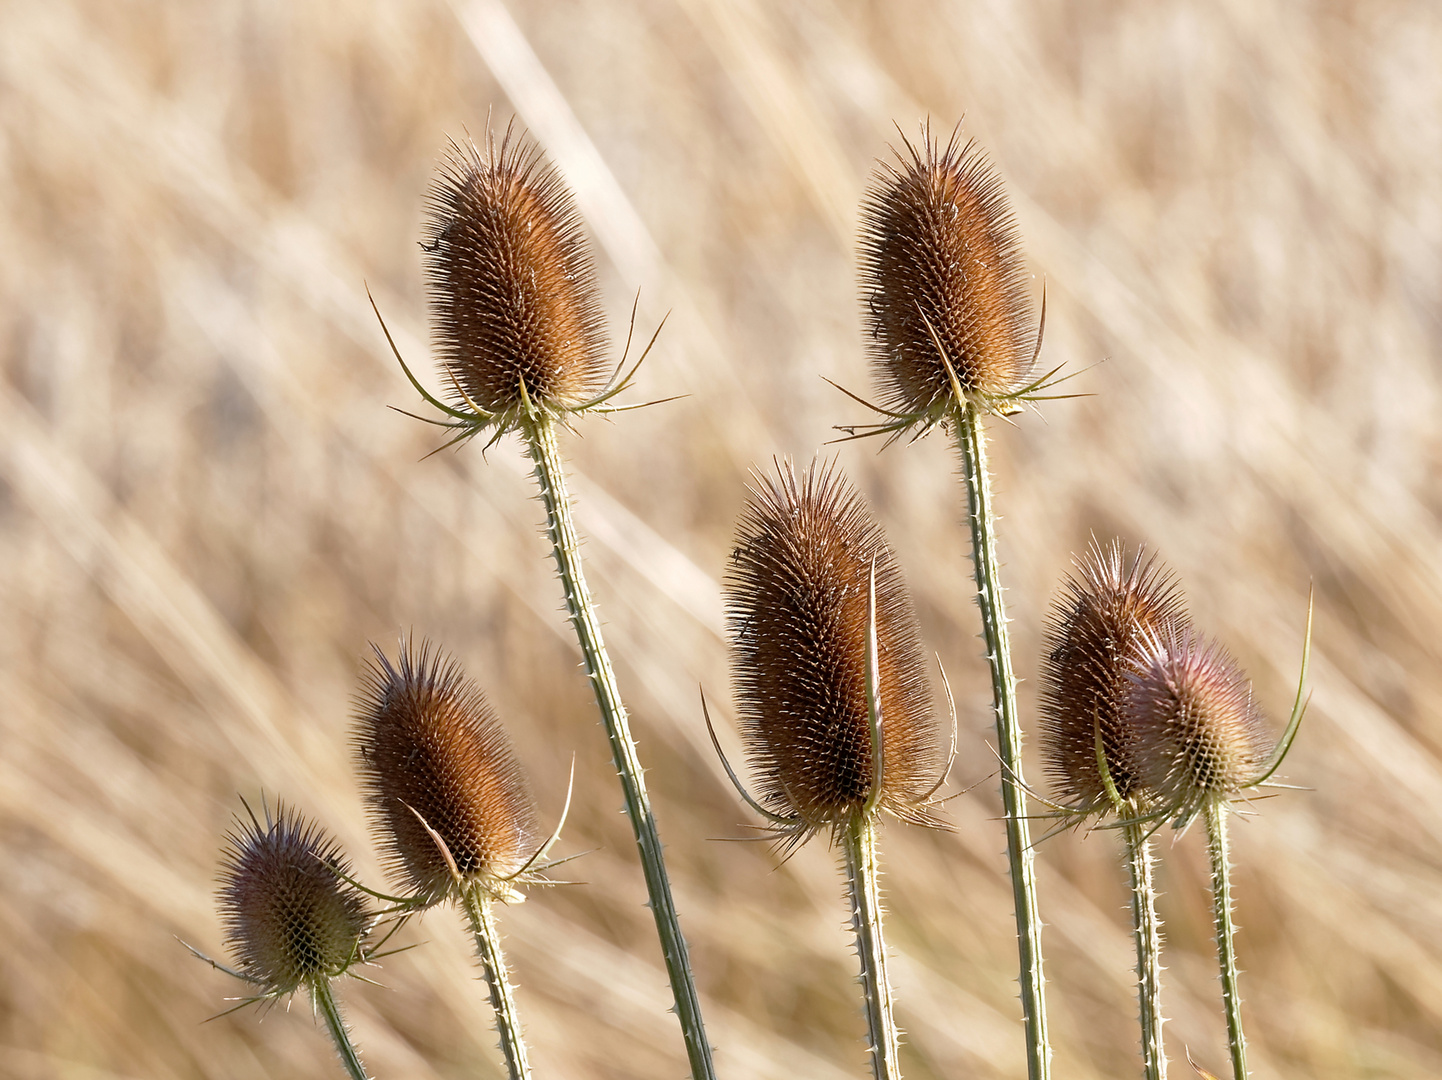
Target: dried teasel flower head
[(450, 805), (1196, 732), (798, 607), (1107, 609), (943, 287), (291, 918), (514, 303)]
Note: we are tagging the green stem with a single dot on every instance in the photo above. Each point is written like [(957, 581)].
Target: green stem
[(1147, 929), (863, 874), (488, 949), (540, 435), (1008, 733), (1226, 932), (326, 1006)]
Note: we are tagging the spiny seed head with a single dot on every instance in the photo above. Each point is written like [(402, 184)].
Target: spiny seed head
[(431, 750), (290, 919), (512, 288), (1197, 734), (797, 597), (1094, 630), (941, 269)]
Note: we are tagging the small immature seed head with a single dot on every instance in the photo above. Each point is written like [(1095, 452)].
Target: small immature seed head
[(941, 273), (1095, 628), (1197, 734), (797, 599), (513, 293), (290, 919), (434, 756)]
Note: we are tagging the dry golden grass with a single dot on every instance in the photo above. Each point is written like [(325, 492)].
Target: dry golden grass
[(206, 509)]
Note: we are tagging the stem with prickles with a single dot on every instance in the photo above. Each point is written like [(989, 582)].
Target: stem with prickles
[(326, 1006), (488, 949), (1147, 929), (862, 873), (1008, 733), (540, 436), (1226, 932)]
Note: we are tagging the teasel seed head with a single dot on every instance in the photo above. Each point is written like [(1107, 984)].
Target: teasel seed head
[(942, 281), (514, 304), (1196, 732), (291, 919), (1108, 608), (798, 600), (443, 784)]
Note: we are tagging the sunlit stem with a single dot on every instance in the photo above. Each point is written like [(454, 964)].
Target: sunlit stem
[(1008, 732), (1226, 932), (540, 436), (326, 1006), (862, 873), (1147, 930), (488, 949)]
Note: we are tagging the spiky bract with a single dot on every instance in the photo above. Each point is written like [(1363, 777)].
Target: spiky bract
[(515, 308), (797, 609), (941, 273), (434, 756), (290, 917), (1197, 734), (1095, 630)]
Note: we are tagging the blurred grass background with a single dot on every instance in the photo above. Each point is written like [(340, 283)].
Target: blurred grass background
[(206, 509)]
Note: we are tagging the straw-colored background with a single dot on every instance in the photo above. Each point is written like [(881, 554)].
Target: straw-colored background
[(206, 508)]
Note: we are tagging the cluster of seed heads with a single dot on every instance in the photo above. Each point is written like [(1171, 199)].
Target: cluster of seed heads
[(291, 918), (798, 608), (1123, 670)]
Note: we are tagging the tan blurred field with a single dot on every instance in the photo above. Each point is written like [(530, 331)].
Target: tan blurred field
[(206, 509)]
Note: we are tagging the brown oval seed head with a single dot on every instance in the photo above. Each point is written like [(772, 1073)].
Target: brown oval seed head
[(512, 288), (431, 749), (289, 919), (1197, 733), (796, 605), (941, 269), (1093, 632)]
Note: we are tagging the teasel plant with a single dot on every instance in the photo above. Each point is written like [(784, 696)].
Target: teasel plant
[(294, 921), (945, 304), (1096, 628), (450, 807), (834, 706), (1199, 745), (517, 325)]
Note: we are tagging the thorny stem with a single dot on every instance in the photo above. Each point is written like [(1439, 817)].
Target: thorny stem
[(1226, 932), (1147, 930), (540, 436), (1008, 733), (488, 949), (326, 1006), (862, 873)]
